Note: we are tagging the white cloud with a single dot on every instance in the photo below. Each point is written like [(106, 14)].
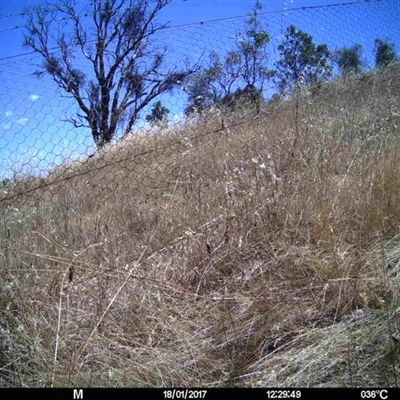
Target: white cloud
[(6, 126), (34, 97), (23, 121), (11, 118)]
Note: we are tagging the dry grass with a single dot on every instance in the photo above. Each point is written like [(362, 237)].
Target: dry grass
[(264, 254)]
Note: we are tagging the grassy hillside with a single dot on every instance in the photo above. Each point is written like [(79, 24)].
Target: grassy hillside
[(263, 254)]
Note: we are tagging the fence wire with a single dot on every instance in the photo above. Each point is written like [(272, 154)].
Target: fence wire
[(213, 219), (40, 148)]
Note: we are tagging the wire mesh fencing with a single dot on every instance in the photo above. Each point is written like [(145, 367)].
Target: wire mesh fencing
[(187, 169), (193, 163), (215, 164), (38, 138), (204, 212)]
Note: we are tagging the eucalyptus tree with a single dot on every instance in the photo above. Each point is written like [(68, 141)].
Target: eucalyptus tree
[(385, 53), (302, 62), (240, 74), (349, 60), (106, 58)]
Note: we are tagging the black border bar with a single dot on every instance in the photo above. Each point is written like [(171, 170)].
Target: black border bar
[(198, 393)]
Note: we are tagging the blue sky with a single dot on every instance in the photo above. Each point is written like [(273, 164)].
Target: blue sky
[(33, 132)]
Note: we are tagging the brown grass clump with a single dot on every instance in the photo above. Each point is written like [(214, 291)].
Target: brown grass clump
[(262, 254)]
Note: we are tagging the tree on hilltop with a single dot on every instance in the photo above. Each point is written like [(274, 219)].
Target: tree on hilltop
[(302, 62), (105, 59), (158, 115), (239, 76), (385, 53), (349, 60)]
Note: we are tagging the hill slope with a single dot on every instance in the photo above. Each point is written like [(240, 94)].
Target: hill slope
[(262, 254)]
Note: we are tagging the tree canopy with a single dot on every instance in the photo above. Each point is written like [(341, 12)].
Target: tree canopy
[(105, 59), (385, 53), (158, 115), (349, 59), (302, 62), (241, 74)]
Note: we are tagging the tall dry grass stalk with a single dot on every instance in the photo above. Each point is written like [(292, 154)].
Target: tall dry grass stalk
[(262, 254)]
